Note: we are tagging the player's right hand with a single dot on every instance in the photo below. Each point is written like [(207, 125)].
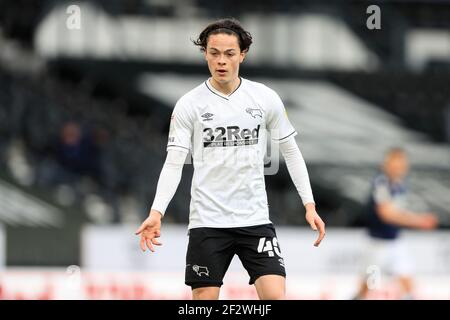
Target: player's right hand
[(149, 230), (316, 223), (428, 221)]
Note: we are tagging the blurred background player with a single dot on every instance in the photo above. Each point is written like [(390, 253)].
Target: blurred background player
[(387, 214)]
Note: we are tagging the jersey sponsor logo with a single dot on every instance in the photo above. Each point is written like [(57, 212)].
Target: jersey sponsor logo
[(254, 112), (230, 136), (200, 270), (207, 116)]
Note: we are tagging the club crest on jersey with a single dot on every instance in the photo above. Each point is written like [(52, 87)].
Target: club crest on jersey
[(207, 116), (254, 112), (230, 136)]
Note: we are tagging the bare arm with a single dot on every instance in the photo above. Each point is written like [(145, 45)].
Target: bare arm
[(392, 215)]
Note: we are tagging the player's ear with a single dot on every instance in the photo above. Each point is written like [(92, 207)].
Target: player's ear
[(242, 56)]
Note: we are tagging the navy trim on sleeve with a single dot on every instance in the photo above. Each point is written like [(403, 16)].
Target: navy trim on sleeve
[(174, 145), (286, 136)]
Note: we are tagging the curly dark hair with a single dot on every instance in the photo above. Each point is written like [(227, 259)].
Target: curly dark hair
[(229, 26)]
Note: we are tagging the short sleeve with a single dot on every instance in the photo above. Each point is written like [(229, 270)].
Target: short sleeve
[(277, 119), (181, 128), (381, 192)]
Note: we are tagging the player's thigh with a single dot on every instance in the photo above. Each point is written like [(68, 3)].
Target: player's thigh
[(208, 257), (271, 287), (260, 252), (206, 293)]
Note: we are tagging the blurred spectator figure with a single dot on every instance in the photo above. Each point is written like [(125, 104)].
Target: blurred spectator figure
[(108, 175), (387, 214), (77, 152), (75, 156)]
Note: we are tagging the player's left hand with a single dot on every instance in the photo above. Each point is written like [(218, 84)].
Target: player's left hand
[(316, 223)]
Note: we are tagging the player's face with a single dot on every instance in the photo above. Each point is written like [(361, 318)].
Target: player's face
[(396, 166), (223, 55)]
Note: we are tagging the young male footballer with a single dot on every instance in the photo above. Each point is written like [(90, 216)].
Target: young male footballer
[(224, 123)]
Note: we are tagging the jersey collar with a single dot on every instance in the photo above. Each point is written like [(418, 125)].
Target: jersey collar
[(220, 94)]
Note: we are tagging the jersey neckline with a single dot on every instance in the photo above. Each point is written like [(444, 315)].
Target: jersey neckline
[(220, 94)]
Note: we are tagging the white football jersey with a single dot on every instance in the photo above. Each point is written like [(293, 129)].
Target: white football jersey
[(227, 135)]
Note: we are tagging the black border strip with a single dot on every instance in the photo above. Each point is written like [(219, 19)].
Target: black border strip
[(226, 309)]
